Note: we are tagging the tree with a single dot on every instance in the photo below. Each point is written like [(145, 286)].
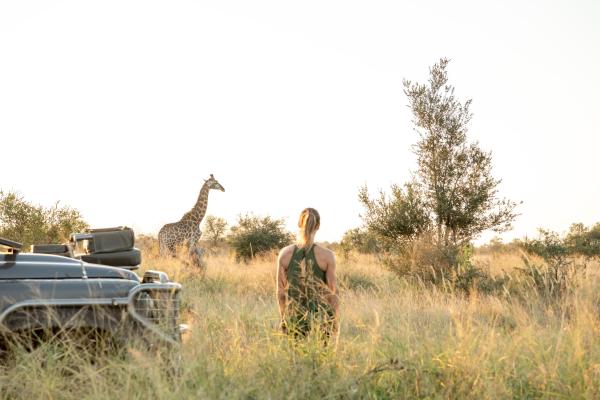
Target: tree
[(453, 195), (254, 235), (33, 224), (214, 229)]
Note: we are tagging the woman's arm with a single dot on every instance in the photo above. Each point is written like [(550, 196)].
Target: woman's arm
[(332, 296), (281, 283)]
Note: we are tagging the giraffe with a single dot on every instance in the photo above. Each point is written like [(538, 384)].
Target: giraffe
[(188, 227)]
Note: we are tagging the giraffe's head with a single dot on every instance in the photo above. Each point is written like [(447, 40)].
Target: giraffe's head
[(213, 183)]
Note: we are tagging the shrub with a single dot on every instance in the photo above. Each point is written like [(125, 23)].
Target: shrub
[(397, 219), (423, 262), (418, 259), (35, 224), (497, 247), (360, 240), (255, 235), (584, 241), (558, 274), (469, 277)]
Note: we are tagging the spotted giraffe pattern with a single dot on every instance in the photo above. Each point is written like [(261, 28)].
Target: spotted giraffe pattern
[(188, 227)]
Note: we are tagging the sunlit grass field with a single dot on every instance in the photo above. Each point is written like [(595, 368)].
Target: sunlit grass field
[(397, 340)]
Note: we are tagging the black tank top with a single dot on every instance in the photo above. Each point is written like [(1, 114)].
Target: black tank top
[(307, 283)]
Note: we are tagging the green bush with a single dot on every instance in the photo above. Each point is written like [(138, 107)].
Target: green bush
[(584, 241), (469, 277), (497, 247), (255, 235), (34, 224), (559, 273), (423, 262), (360, 240)]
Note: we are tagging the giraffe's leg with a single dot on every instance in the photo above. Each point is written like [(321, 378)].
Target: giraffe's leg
[(162, 245), (196, 255), (172, 248), (193, 240), (165, 250)]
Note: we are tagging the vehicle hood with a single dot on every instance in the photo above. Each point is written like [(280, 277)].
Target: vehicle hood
[(42, 266)]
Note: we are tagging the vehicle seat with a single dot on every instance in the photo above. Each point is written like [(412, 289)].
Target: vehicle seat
[(111, 246), (55, 249), (109, 240), (127, 258)]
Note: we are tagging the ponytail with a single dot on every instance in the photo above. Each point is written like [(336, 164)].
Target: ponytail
[(309, 222)]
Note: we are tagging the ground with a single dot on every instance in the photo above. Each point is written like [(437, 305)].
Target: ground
[(398, 340)]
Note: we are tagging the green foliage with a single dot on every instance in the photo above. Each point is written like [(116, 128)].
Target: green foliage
[(583, 240), (550, 247), (419, 259), (455, 175), (214, 229), (452, 197), (547, 281), (360, 240), (254, 235), (34, 224), (421, 262), (559, 273), (496, 246), (398, 219), (469, 277)]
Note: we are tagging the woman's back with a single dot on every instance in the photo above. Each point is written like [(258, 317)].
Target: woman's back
[(307, 303), (306, 279), (306, 282)]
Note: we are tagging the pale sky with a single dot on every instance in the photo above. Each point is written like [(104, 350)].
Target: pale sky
[(121, 108)]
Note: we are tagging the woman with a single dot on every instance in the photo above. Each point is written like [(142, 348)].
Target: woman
[(306, 283)]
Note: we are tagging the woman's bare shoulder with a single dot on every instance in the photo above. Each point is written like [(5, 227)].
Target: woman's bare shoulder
[(286, 253), (323, 252)]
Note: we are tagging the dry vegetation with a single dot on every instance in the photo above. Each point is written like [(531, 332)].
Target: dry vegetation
[(398, 340)]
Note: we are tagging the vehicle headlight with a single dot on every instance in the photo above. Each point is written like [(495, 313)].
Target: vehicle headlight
[(155, 277)]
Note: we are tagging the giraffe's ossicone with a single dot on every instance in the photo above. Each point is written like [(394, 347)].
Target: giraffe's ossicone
[(187, 229)]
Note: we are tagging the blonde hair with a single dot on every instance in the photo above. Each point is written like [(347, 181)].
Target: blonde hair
[(309, 222)]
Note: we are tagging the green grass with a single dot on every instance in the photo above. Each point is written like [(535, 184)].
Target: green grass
[(397, 341)]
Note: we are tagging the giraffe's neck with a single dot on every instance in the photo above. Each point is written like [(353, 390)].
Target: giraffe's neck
[(197, 213)]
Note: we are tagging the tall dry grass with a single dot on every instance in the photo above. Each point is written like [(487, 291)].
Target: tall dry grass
[(397, 340)]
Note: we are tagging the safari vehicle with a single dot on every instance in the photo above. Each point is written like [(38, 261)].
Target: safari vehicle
[(85, 285)]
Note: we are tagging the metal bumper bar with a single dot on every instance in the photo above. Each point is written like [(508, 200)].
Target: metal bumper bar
[(128, 301)]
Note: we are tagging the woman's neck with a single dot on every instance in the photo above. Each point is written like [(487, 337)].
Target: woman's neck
[(308, 244)]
